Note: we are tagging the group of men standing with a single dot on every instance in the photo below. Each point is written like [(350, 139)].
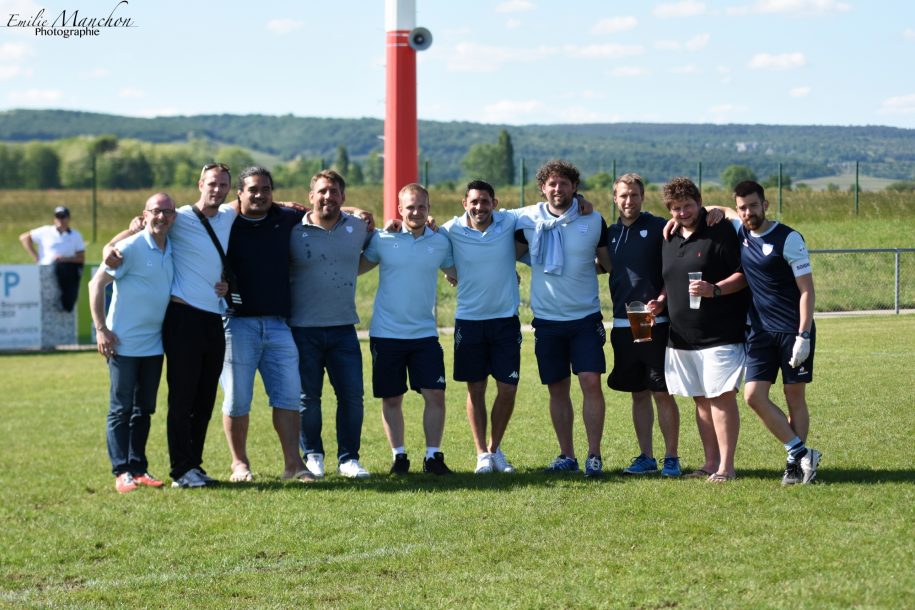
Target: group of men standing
[(289, 275)]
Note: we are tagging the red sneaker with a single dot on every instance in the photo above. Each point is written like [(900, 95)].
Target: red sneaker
[(148, 480), (125, 483)]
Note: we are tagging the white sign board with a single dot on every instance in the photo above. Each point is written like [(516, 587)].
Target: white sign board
[(20, 307)]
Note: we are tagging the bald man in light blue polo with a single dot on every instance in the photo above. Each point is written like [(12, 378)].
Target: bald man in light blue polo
[(403, 334)]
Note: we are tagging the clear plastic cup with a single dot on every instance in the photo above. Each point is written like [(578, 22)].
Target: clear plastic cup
[(694, 301)]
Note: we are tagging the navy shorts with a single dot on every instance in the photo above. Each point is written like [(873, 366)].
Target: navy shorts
[(487, 347), (638, 366), (559, 344), (393, 358), (767, 352)]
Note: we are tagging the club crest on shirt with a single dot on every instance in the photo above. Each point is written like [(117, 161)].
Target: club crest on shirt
[(644, 232), (430, 249), (767, 249), (582, 228), (746, 244), (349, 229)]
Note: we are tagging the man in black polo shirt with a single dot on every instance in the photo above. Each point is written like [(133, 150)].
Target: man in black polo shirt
[(705, 352)]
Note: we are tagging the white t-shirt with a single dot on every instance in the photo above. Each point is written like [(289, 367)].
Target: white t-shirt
[(51, 243)]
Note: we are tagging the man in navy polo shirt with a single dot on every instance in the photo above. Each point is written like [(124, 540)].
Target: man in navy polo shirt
[(257, 335), (130, 339), (635, 250), (569, 331), (782, 333), (403, 334)]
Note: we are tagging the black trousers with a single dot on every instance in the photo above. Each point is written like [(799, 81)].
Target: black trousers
[(68, 275), (194, 345)]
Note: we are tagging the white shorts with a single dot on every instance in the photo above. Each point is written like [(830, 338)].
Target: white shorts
[(706, 372)]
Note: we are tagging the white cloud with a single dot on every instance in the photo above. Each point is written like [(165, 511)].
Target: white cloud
[(908, 34), (697, 42), (35, 96), (577, 114), (667, 45), (513, 24), (628, 71), (614, 24), (800, 91), (472, 57), (11, 51), (687, 69), (97, 73), (687, 8), (284, 26), (604, 51), (585, 94), (900, 104), (510, 111), (129, 93), (515, 6), (722, 113), (8, 72), (794, 7), (785, 61)]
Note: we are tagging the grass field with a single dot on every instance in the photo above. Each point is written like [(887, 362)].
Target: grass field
[(502, 541)]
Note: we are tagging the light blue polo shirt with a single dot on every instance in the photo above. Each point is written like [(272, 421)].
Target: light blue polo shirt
[(198, 266), (141, 294), (407, 282), (487, 282), (572, 295)]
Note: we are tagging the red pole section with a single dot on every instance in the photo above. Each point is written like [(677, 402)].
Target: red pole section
[(401, 142)]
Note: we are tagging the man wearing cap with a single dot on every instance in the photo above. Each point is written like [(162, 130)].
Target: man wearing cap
[(62, 246), (130, 339)]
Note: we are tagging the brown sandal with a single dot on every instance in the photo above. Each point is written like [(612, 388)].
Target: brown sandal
[(698, 474), (721, 478)]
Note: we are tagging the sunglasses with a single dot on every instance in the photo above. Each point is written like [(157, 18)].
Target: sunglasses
[(210, 166)]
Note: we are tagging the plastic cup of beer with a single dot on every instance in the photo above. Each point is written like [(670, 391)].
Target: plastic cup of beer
[(694, 300), (640, 321)]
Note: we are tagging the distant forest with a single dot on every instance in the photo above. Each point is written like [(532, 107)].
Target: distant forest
[(290, 143)]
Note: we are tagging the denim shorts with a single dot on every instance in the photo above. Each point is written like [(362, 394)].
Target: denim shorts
[(265, 344)]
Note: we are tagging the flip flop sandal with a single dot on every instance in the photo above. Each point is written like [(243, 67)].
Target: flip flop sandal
[(241, 474), (698, 474), (721, 478)]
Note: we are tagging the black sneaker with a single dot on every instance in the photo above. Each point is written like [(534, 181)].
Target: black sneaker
[(401, 464), (793, 474), (436, 464)]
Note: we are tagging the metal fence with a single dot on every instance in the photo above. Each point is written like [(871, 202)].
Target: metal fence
[(864, 280)]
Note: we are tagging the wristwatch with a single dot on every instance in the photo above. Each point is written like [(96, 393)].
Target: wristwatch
[(805, 334), (717, 291)]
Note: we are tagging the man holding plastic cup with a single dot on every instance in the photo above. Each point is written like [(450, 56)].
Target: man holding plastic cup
[(705, 353)]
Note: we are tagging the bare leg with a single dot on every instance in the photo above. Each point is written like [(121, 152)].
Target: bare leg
[(643, 421), (476, 413), (286, 424), (236, 429), (433, 416), (726, 419), (669, 422), (799, 416), (502, 408), (392, 420), (562, 416), (707, 434), (756, 393), (592, 410)]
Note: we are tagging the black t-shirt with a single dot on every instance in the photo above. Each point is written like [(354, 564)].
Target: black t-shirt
[(715, 252)]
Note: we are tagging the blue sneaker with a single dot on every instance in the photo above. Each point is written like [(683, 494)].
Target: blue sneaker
[(642, 465), (563, 464), (594, 466), (671, 467)]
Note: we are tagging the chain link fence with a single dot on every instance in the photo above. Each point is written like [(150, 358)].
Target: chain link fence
[(864, 280)]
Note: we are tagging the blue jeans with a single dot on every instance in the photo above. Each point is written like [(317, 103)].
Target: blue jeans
[(134, 385), (335, 348), (259, 343)]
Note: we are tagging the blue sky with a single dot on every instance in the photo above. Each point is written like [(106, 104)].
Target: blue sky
[(824, 62)]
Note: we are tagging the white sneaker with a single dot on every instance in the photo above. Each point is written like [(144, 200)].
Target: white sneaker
[(352, 469), (314, 463), (809, 464), (500, 462), (189, 479), (484, 463)]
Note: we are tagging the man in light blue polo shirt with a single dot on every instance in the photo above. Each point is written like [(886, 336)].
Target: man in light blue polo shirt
[(569, 331), (487, 333), (403, 334), (130, 338)]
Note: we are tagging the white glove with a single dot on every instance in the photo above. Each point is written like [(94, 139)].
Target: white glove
[(800, 352)]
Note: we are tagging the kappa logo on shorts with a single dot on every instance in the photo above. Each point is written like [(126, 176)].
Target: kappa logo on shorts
[(441, 379), (767, 249), (802, 371), (644, 232), (514, 375), (304, 234)]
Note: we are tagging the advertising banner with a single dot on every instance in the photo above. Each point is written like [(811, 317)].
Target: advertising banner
[(20, 307)]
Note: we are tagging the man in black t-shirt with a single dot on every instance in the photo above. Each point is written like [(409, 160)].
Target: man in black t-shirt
[(705, 353)]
